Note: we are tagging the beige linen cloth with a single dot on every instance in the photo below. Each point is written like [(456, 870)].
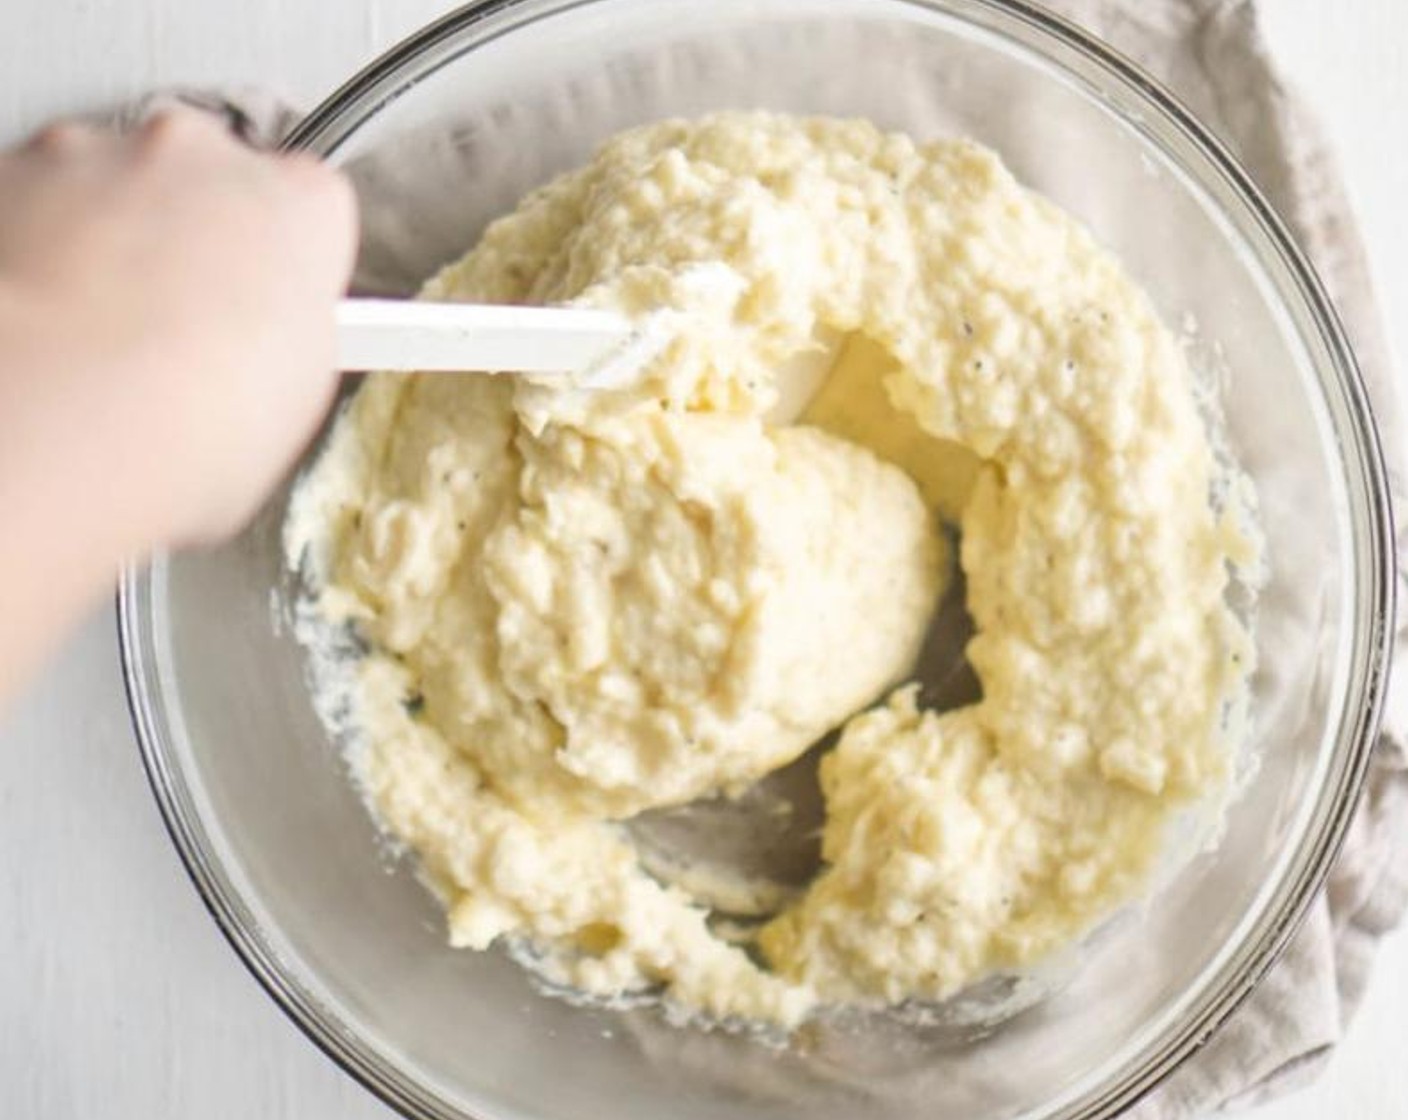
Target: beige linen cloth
[(1211, 54)]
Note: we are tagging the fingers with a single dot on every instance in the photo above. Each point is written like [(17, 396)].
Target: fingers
[(308, 207), (175, 131), (321, 202), (327, 214), (70, 143), (322, 199), (179, 126), (62, 138)]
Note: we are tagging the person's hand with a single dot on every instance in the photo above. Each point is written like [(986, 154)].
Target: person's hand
[(166, 319), (166, 347)]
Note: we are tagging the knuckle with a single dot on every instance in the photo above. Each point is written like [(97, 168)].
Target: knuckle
[(177, 126), (62, 137)]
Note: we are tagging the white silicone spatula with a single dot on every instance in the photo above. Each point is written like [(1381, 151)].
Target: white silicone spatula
[(593, 348)]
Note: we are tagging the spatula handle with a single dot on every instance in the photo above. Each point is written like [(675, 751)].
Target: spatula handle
[(375, 334)]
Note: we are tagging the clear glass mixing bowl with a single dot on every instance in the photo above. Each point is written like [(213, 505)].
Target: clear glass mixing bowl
[(283, 851)]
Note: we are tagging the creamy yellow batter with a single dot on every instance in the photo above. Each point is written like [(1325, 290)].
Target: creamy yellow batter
[(584, 605)]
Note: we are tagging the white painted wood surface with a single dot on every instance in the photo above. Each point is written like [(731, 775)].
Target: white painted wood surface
[(118, 997)]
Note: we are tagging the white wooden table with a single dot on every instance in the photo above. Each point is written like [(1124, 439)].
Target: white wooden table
[(118, 998)]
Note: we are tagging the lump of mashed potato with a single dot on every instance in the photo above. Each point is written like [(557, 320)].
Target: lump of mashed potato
[(580, 606)]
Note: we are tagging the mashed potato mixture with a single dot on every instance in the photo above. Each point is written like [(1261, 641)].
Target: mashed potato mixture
[(578, 606)]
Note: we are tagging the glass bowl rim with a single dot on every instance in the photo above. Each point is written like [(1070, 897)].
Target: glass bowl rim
[(335, 118)]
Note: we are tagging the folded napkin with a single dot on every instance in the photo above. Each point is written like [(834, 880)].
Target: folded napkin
[(1210, 53)]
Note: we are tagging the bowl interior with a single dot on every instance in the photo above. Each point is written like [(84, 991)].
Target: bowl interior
[(452, 138)]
